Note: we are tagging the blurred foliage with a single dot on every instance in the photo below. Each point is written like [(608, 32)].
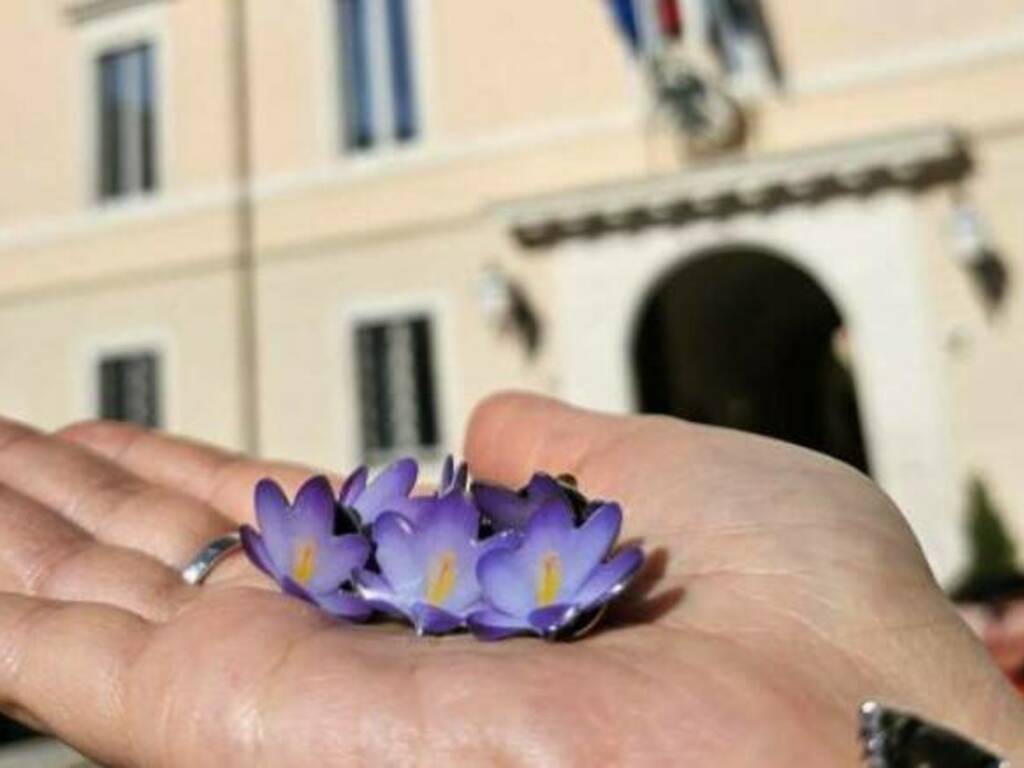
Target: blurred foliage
[(992, 550), (992, 573)]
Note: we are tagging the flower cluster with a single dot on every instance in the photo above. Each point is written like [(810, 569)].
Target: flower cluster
[(489, 559)]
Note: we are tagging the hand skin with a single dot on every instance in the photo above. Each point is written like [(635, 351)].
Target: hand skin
[(783, 589)]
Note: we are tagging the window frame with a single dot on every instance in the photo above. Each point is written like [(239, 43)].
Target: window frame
[(136, 172), (331, 113), (109, 33), (96, 349), (348, 411), (147, 354)]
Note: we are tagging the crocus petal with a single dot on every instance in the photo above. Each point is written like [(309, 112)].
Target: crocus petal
[(372, 585), (293, 588), (460, 480), (413, 508), (376, 592), (255, 547), (590, 544), (273, 515), (314, 509), (447, 553), (337, 558), (395, 481), (396, 552), (447, 473), (344, 605), (494, 625), (451, 516), (548, 620), (542, 487), (610, 579), (550, 529), (505, 583), (504, 508), (430, 620), (353, 487)]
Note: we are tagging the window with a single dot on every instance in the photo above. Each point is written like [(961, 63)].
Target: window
[(397, 388), (126, 130), (375, 73), (129, 388)]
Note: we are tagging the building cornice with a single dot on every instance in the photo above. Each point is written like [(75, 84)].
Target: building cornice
[(79, 11), (912, 159)]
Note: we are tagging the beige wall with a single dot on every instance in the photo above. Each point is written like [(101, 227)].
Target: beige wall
[(815, 37), (49, 344), (519, 97), (308, 305), (985, 353)]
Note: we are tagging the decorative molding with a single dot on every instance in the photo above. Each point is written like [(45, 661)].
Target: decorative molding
[(915, 62), (343, 173), (86, 10), (113, 215), (910, 159), (347, 169)]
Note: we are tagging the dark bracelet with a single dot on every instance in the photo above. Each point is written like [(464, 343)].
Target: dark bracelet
[(894, 739)]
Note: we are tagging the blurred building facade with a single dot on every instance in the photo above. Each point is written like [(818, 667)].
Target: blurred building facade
[(325, 228)]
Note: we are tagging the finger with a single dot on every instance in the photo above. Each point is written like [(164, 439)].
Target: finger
[(735, 500), (43, 555), (641, 460), (109, 502), (66, 666), (510, 436), (220, 478)]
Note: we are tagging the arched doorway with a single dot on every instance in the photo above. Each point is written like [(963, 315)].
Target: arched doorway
[(744, 339)]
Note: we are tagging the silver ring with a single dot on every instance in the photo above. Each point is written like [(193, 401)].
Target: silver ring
[(202, 564)]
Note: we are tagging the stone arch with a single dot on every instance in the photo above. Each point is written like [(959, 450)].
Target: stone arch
[(743, 337)]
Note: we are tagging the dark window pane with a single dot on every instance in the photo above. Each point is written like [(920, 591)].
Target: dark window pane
[(374, 388), (126, 131), (397, 387), (402, 88), (109, 134), (354, 65), (129, 389), (148, 118)]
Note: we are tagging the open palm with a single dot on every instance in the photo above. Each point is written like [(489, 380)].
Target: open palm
[(782, 590)]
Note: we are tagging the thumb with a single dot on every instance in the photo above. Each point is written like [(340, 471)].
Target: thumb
[(512, 435)]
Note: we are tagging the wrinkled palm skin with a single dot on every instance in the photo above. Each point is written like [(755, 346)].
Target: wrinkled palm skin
[(782, 589)]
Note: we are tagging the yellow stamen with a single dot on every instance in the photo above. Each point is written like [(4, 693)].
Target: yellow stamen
[(304, 562), (549, 580), (442, 578)]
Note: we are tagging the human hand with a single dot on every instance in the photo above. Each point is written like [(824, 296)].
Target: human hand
[(783, 589)]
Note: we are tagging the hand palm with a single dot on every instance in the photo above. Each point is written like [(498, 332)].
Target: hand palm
[(782, 590)]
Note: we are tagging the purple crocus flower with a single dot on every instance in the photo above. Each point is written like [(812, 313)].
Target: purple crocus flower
[(387, 492), (296, 546), (391, 491), (557, 575), (428, 567), (453, 477), (512, 510)]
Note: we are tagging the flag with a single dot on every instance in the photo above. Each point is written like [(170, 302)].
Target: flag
[(624, 13), (647, 25)]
